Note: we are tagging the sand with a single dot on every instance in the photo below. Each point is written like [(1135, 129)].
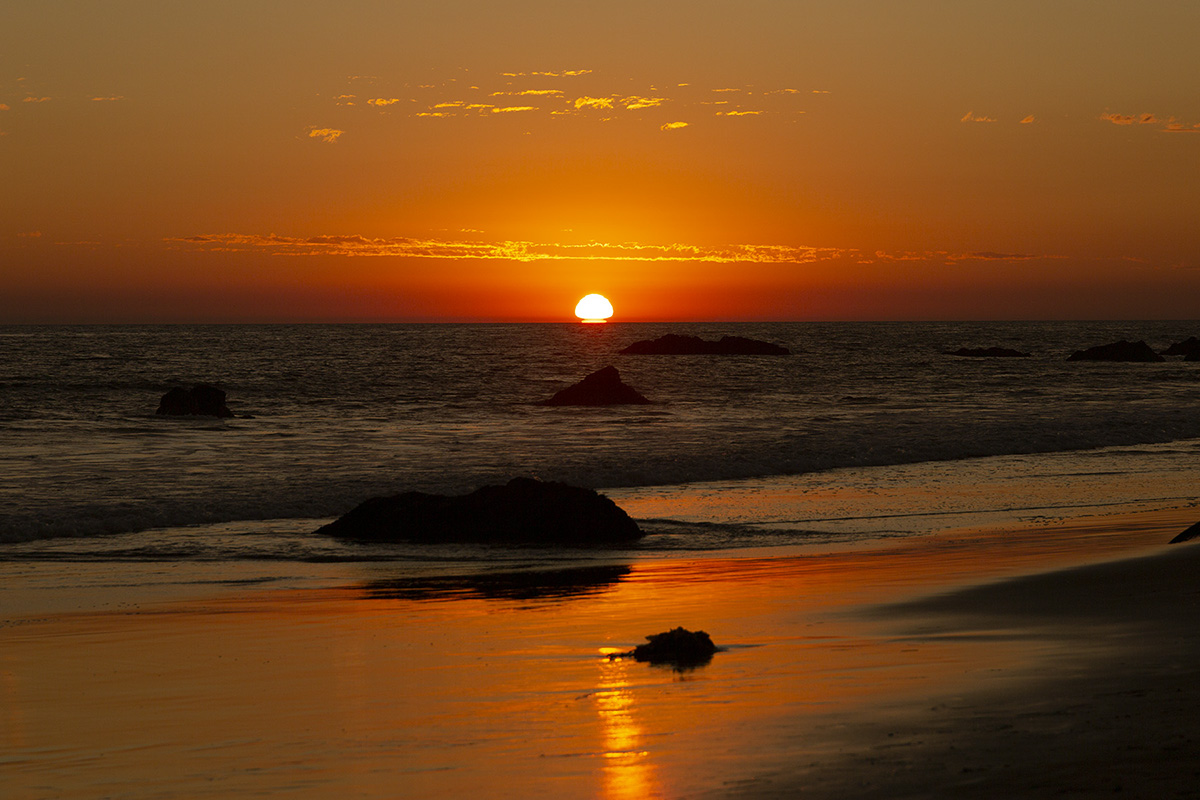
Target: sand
[(1043, 661)]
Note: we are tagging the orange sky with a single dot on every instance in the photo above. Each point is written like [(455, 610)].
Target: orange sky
[(257, 161)]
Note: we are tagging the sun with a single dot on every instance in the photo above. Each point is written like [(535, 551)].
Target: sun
[(594, 308)]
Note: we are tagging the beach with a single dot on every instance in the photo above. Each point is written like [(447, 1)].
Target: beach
[(1048, 659)]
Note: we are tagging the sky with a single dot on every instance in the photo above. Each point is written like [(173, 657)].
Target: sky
[(464, 160)]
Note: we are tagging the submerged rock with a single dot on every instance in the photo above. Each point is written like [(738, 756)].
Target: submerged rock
[(524, 510), (603, 387), (201, 400), (1117, 351), (1189, 534), (678, 647), (987, 352), (1188, 347), (674, 344)]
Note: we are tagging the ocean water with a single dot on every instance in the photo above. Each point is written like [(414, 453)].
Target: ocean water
[(867, 429)]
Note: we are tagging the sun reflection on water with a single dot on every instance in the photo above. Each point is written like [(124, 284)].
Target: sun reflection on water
[(628, 771)]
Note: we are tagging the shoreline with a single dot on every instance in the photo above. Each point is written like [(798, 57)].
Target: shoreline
[(362, 686)]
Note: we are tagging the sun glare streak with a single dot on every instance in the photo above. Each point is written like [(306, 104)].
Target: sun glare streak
[(628, 772)]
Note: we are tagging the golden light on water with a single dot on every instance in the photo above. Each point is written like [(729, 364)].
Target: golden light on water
[(594, 308)]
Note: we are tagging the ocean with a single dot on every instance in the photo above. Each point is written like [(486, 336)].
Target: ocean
[(844, 438)]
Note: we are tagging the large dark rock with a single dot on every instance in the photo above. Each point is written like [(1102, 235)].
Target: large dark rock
[(1117, 351), (1189, 534), (673, 344), (603, 387), (987, 352), (524, 510), (1189, 346), (200, 400), (1192, 356), (678, 647)]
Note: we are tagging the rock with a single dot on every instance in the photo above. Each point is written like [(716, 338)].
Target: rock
[(1117, 351), (603, 387), (987, 352), (1190, 533), (200, 400), (673, 344), (678, 647), (1192, 356), (524, 510), (1188, 347)]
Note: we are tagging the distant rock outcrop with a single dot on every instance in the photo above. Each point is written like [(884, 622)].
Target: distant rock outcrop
[(603, 387), (987, 352), (1117, 351), (201, 400), (523, 511), (678, 647), (1189, 346), (673, 344), (1189, 534)]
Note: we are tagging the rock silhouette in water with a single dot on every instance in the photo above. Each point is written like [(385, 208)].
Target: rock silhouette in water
[(1117, 351), (524, 510), (678, 647), (201, 400), (603, 387), (1188, 347), (674, 344), (987, 352)]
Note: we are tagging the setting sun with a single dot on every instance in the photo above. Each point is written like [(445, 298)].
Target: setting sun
[(594, 308)]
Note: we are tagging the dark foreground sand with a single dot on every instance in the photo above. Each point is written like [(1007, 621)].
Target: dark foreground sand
[(1113, 711)]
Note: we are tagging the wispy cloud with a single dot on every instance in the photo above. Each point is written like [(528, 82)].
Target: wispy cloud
[(1029, 119), (35, 99), (528, 93), (568, 73), (110, 99), (512, 109), (383, 101), (672, 126), (739, 113), (593, 102), (973, 117), (353, 245), (3, 107), (1129, 119), (328, 135), (635, 102)]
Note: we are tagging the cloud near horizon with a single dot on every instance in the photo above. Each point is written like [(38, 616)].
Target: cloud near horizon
[(526, 251)]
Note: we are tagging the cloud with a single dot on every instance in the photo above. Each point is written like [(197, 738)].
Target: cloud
[(512, 109), (569, 73), (635, 102), (738, 113), (354, 245), (328, 135), (1027, 120), (673, 126), (1175, 126), (1128, 119), (30, 235), (3, 107), (35, 99), (973, 117), (110, 99), (383, 101), (528, 92), (593, 102)]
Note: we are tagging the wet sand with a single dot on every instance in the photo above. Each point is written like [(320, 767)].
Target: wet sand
[(977, 663)]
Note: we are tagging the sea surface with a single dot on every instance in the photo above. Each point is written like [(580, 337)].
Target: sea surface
[(867, 430)]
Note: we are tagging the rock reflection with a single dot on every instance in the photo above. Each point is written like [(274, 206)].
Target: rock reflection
[(628, 771), (521, 585)]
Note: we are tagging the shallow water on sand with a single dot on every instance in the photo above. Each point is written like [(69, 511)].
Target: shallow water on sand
[(373, 684)]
